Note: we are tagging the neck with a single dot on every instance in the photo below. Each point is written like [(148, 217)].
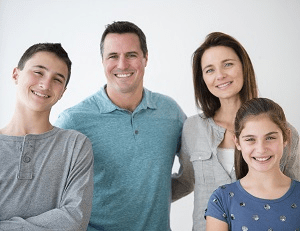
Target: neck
[(225, 115), (128, 101), (268, 185), (26, 122)]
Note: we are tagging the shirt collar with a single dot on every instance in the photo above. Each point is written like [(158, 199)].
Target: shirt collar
[(107, 106)]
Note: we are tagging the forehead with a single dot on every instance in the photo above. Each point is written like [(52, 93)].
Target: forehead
[(261, 124), (48, 60), (218, 53), (121, 43)]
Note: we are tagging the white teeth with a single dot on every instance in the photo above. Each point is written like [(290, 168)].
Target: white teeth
[(123, 75), (39, 94), (224, 85), (261, 159)]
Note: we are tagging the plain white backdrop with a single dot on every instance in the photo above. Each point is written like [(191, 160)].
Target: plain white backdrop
[(268, 29)]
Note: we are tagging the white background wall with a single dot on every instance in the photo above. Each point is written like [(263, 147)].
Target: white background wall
[(268, 29)]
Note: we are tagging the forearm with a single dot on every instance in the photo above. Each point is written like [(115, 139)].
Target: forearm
[(56, 219), (183, 182)]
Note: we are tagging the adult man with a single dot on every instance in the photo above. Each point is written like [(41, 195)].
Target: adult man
[(46, 174), (135, 137)]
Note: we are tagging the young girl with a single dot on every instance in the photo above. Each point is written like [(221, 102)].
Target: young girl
[(263, 198)]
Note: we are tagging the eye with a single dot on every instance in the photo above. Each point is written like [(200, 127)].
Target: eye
[(131, 55), (38, 72), (228, 64), (58, 80), (270, 138), (209, 71), (112, 57), (250, 139)]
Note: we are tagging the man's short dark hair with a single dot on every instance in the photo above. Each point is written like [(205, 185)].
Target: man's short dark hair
[(54, 48), (122, 27)]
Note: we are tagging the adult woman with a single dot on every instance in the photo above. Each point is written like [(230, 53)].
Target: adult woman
[(223, 79), (263, 198)]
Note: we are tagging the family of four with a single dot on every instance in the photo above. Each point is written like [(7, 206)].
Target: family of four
[(106, 163)]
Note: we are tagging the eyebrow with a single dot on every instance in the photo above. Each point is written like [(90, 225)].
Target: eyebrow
[(45, 68), (129, 52), (270, 133)]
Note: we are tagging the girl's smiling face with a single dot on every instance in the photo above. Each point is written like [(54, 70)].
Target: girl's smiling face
[(261, 143)]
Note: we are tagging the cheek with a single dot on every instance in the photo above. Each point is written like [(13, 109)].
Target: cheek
[(207, 81), (246, 150), (108, 67)]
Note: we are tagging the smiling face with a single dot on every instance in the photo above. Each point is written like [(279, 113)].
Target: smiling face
[(41, 83), (124, 63), (261, 143), (222, 72)]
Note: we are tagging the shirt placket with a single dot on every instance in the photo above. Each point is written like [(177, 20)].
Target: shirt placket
[(27, 149)]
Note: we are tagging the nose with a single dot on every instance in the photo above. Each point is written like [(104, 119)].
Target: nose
[(220, 74), (45, 83), (122, 63), (261, 147)]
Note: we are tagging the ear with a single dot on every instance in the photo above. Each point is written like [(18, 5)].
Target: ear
[(146, 58), (289, 133), (15, 75), (237, 144), (285, 144)]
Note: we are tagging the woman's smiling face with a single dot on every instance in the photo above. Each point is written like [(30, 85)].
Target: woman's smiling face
[(222, 72)]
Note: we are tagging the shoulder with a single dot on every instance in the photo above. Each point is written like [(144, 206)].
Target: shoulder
[(165, 104), (75, 142), (71, 134), (297, 184), (197, 123), (70, 117), (227, 189), (163, 100), (88, 104), (196, 119)]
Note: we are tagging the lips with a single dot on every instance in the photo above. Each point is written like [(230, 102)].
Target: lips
[(223, 85), (40, 94), (123, 75), (262, 159)]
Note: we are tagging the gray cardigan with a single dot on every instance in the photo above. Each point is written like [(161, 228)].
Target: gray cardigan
[(200, 169)]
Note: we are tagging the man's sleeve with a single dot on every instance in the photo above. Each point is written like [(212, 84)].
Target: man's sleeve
[(75, 207)]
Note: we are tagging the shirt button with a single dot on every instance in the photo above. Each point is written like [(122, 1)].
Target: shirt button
[(136, 132), (26, 159)]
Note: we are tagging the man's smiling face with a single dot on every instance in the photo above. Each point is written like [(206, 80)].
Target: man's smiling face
[(124, 63)]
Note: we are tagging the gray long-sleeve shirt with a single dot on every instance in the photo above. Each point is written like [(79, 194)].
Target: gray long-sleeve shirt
[(46, 181), (200, 166)]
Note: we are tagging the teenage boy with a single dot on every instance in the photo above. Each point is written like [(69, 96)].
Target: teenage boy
[(46, 173)]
